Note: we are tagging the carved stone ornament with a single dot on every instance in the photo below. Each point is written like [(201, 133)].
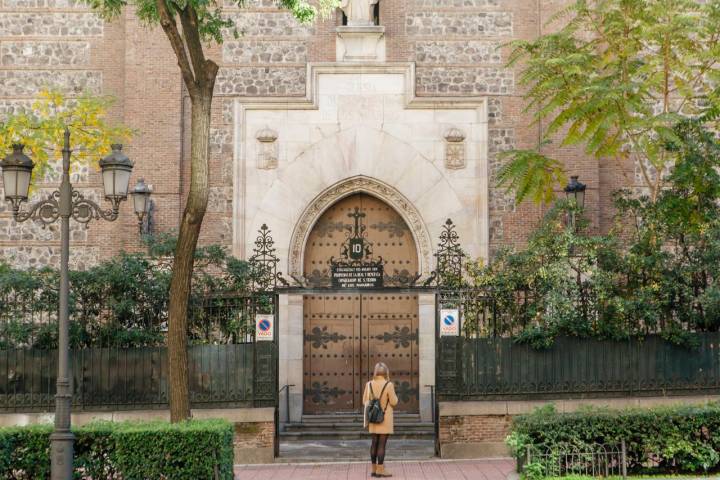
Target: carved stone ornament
[(373, 187), (454, 149), (267, 154)]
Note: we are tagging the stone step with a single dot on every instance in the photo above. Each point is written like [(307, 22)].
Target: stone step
[(349, 426), (349, 435), (333, 450), (355, 418), (400, 427)]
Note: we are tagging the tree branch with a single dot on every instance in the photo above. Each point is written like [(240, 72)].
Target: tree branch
[(205, 70), (167, 21)]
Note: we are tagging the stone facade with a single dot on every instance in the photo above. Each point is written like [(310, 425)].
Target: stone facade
[(456, 51), (481, 24), (57, 24), (40, 54), (470, 81), (264, 52), (260, 81), (456, 47)]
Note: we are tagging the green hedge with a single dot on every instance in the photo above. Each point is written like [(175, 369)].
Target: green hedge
[(677, 439), (128, 450)]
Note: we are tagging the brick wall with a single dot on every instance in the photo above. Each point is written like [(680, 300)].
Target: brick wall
[(254, 435), (57, 44), (453, 43), (474, 429)]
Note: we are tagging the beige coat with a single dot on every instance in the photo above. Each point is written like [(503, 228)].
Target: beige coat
[(389, 399)]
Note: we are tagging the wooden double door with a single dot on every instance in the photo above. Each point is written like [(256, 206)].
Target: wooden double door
[(345, 335)]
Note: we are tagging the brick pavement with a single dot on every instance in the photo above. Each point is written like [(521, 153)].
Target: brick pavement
[(491, 469)]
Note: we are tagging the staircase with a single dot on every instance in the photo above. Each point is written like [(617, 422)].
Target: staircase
[(350, 427), (341, 437)]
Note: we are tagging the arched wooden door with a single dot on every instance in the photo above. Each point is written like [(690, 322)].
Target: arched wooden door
[(346, 332)]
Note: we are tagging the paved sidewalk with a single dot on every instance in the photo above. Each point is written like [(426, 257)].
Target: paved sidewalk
[(491, 469)]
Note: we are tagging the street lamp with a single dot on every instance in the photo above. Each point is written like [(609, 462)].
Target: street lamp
[(141, 201), (64, 203), (575, 191), (17, 170)]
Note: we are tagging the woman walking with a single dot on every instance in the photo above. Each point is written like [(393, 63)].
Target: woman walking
[(379, 396)]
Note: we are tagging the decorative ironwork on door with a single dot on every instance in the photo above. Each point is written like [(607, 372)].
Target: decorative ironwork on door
[(360, 230), (345, 334)]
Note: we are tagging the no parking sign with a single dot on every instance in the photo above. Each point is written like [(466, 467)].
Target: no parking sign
[(449, 322), (264, 327)]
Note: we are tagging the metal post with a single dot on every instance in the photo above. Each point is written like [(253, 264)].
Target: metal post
[(623, 452), (61, 440), (66, 203)]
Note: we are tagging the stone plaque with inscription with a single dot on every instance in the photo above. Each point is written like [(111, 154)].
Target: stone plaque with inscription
[(357, 276)]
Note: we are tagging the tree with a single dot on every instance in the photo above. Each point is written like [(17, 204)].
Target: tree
[(188, 25), (616, 78), (41, 128)]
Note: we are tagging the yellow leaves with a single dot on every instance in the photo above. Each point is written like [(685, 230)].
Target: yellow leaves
[(41, 128)]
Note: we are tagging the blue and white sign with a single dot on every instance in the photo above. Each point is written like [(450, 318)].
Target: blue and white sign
[(264, 327), (449, 322)]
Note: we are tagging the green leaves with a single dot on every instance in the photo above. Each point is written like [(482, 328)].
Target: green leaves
[(41, 129), (619, 75), (183, 451), (530, 174), (656, 272), (673, 439), (121, 302)]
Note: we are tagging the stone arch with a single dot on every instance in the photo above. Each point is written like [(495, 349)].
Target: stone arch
[(370, 186)]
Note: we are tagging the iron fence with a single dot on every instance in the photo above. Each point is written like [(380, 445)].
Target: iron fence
[(484, 368), (122, 363), (592, 460), (226, 366)]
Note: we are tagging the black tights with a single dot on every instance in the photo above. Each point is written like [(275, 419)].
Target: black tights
[(377, 448)]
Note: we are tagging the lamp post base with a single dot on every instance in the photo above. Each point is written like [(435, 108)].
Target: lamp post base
[(61, 455)]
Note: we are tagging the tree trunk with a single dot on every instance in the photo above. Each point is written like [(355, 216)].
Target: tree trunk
[(180, 282)]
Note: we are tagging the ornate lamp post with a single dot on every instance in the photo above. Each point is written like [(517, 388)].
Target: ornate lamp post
[(575, 191), (141, 202), (64, 203)]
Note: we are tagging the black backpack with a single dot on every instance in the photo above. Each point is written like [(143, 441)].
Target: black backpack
[(374, 411)]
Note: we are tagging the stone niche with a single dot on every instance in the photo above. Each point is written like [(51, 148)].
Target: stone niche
[(267, 153), (360, 43)]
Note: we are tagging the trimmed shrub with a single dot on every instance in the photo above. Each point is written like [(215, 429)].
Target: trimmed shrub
[(25, 452), (184, 451), (128, 450), (675, 439)]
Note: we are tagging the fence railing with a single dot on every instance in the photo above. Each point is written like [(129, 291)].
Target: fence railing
[(483, 368), (135, 378), (226, 366), (593, 460)]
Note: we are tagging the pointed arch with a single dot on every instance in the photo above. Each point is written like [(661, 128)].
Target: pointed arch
[(370, 186)]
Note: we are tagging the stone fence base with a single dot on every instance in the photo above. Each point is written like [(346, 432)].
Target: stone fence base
[(478, 429), (254, 427)]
